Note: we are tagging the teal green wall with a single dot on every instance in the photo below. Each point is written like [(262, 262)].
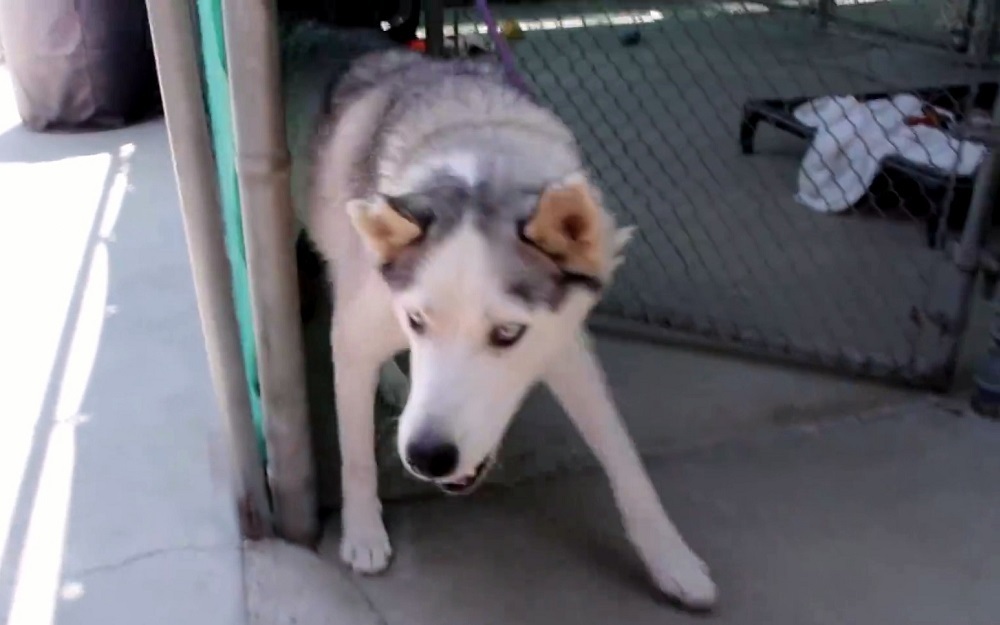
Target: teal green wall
[(216, 86)]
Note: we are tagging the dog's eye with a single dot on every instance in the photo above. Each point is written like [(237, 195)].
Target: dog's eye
[(416, 321), (506, 334)]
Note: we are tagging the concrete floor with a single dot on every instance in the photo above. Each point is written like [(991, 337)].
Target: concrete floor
[(815, 499), (115, 505), (886, 519)]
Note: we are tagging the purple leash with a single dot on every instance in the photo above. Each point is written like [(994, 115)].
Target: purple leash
[(503, 49)]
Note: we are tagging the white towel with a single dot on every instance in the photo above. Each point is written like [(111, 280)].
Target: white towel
[(853, 137)]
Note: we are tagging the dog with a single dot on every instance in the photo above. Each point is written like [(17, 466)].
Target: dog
[(458, 222)]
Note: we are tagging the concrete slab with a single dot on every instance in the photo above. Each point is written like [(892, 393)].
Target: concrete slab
[(170, 586), (288, 585), (890, 519), (115, 502)]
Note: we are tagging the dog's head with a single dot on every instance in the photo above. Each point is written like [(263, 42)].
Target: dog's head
[(489, 288)]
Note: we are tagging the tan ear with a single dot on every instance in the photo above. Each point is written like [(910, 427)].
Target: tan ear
[(383, 228), (569, 226)]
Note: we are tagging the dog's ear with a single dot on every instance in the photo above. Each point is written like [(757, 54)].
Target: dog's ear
[(385, 225), (570, 227)]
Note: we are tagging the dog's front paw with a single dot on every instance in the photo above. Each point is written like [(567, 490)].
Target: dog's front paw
[(685, 579), (676, 570), (364, 545)]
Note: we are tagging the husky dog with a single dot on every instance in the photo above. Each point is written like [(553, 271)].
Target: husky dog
[(458, 222)]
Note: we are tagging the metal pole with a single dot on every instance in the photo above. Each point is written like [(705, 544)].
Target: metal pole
[(824, 12), (981, 29), (174, 41), (434, 26), (263, 168), (986, 397)]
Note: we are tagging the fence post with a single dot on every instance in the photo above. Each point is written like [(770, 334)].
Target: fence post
[(175, 44), (986, 397), (824, 11), (263, 169), (981, 27), (434, 26)]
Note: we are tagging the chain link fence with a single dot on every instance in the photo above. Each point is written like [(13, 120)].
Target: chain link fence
[(964, 26), (746, 234)]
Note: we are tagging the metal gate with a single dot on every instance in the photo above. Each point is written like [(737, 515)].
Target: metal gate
[(686, 111)]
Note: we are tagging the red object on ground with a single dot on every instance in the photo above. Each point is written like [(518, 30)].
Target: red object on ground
[(418, 45), (930, 118)]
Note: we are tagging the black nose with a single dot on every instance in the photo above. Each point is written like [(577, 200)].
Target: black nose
[(432, 456)]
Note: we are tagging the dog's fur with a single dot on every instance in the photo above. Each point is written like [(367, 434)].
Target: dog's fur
[(456, 218)]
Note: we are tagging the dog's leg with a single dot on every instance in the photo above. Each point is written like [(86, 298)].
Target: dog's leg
[(361, 341), (577, 381)]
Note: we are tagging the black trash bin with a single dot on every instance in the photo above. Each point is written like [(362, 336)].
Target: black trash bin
[(80, 64)]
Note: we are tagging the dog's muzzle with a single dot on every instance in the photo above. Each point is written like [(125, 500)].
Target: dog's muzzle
[(469, 483), (435, 459)]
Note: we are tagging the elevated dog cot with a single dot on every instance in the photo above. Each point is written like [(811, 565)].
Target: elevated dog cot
[(925, 191)]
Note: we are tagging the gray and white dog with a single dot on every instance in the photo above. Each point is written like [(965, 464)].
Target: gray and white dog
[(458, 222)]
